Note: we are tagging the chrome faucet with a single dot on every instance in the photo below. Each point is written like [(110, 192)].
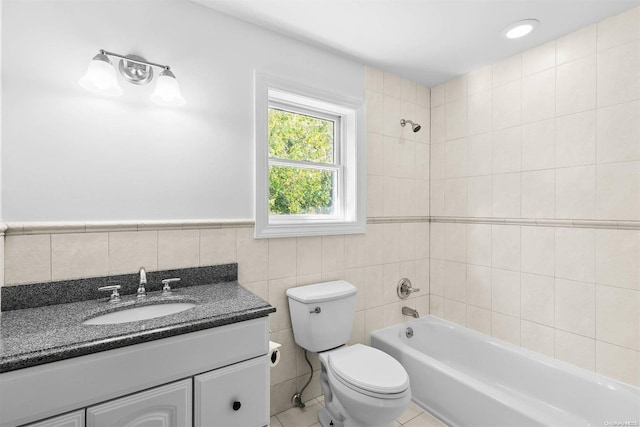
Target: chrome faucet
[(142, 292), (407, 311)]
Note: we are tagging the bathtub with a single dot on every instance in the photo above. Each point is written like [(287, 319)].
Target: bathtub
[(466, 378)]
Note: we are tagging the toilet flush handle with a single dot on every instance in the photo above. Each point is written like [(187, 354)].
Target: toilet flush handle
[(316, 310)]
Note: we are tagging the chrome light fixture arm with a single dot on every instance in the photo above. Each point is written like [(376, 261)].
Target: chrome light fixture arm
[(135, 69), (136, 59)]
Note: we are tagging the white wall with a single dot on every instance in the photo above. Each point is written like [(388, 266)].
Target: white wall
[(70, 155)]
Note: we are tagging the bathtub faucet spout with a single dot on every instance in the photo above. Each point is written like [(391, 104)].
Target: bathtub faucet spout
[(407, 311)]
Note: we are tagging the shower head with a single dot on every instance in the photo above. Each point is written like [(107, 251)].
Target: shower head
[(414, 126)]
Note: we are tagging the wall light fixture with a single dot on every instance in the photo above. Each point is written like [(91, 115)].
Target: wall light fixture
[(100, 78)]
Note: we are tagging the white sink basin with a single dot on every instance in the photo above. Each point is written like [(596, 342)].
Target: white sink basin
[(139, 313)]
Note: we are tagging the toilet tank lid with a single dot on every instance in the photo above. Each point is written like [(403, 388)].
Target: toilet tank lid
[(318, 292)]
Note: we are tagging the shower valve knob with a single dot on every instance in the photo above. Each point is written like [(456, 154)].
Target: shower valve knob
[(405, 288)]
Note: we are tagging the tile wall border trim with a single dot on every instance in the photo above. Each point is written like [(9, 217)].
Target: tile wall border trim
[(64, 227), (397, 219), (18, 228), (538, 222)]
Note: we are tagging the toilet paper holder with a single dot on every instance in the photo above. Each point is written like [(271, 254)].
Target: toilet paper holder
[(274, 353)]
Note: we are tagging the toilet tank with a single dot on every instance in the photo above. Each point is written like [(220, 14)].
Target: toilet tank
[(322, 314)]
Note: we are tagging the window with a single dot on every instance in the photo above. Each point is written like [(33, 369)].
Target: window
[(303, 162), (307, 161)]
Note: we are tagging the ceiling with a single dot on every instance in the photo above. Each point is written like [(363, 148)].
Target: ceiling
[(428, 41)]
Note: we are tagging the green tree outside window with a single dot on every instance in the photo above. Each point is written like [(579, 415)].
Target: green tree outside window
[(297, 190)]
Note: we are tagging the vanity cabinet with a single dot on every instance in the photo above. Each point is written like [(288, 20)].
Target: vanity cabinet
[(233, 396), (74, 419), (194, 379), (166, 406)]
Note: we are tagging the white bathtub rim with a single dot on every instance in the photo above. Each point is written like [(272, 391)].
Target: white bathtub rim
[(507, 346)]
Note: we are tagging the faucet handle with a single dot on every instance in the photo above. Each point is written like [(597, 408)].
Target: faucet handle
[(405, 288), (166, 288), (115, 295)]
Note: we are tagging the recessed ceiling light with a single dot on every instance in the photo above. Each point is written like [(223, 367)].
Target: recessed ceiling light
[(520, 28)]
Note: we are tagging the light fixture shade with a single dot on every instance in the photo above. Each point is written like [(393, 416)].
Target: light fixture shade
[(100, 77), (520, 28), (167, 91)]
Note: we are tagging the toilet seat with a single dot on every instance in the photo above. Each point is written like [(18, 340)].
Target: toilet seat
[(369, 371)]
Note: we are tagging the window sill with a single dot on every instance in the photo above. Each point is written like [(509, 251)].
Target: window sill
[(297, 229)]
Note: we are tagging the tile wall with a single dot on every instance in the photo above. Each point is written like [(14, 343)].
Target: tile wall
[(548, 135), (394, 246)]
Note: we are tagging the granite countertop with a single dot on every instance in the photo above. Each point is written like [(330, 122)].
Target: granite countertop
[(35, 336)]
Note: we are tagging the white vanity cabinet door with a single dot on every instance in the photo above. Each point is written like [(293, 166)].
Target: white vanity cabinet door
[(165, 406), (235, 396), (74, 419)]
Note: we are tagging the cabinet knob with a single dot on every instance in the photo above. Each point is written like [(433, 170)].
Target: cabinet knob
[(236, 405)]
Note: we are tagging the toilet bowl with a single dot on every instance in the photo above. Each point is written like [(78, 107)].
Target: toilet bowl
[(363, 386)]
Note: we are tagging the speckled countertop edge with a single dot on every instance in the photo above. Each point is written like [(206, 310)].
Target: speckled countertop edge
[(36, 336)]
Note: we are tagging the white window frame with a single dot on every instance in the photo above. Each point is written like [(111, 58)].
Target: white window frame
[(348, 116)]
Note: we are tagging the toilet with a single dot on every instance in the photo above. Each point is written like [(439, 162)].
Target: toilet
[(363, 386)]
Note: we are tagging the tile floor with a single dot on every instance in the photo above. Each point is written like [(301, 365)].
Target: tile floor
[(414, 416)]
